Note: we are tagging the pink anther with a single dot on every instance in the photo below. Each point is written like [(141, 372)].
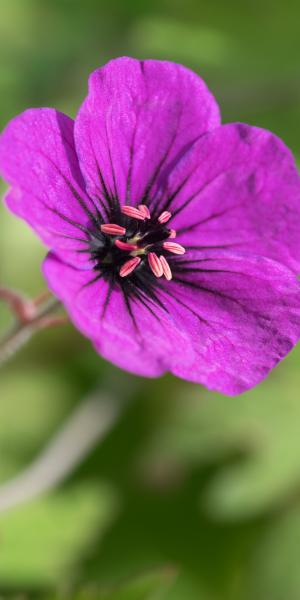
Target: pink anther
[(164, 217), (166, 268), (112, 229), (174, 248), (155, 264), (129, 266), (144, 210), (133, 212)]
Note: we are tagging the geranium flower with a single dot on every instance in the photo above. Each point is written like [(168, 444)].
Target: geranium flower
[(174, 240)]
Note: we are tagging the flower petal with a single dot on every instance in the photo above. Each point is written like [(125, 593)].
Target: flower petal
[(135, 335), (38, 159), (242, 314), (138, 118), (238, 188), (225, 320), (129, 356)]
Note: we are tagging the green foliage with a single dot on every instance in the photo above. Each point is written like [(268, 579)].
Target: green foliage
[(261, 427), (41, 542), (151, 586), (192, 496)]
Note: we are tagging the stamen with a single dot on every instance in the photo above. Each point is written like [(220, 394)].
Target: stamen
[(129, 266), (134, 213), (155, 264), (166, 268), (144, 210), (164, 217), (174, 248), (125, 246), (112, 229), (142, 242)]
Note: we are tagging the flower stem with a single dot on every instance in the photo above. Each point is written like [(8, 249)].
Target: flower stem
[(30, 317)]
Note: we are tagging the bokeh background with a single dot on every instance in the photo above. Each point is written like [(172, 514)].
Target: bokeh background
[(191, 495)]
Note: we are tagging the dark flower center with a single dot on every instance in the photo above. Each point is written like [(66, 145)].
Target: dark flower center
[(139, 246)]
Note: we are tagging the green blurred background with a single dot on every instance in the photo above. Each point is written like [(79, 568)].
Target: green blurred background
[(192, 495)]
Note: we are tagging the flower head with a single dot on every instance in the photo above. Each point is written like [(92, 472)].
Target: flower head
[(174, 240)]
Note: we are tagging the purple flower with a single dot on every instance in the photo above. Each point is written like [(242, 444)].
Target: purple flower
[(174, 240)]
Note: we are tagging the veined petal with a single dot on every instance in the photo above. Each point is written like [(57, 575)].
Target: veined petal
[(133, 332), (38, 159), (242, 313), (128, 355), (138, 119), (238, 188), (225, 320)]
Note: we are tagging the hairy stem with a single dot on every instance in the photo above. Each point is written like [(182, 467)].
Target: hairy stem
[(23, 329)]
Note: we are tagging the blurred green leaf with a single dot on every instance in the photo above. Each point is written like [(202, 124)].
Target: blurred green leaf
[(33, 403), (152, 586), (262, 426), (160, 37), (42, 541), (21, 254), (274, 568)]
